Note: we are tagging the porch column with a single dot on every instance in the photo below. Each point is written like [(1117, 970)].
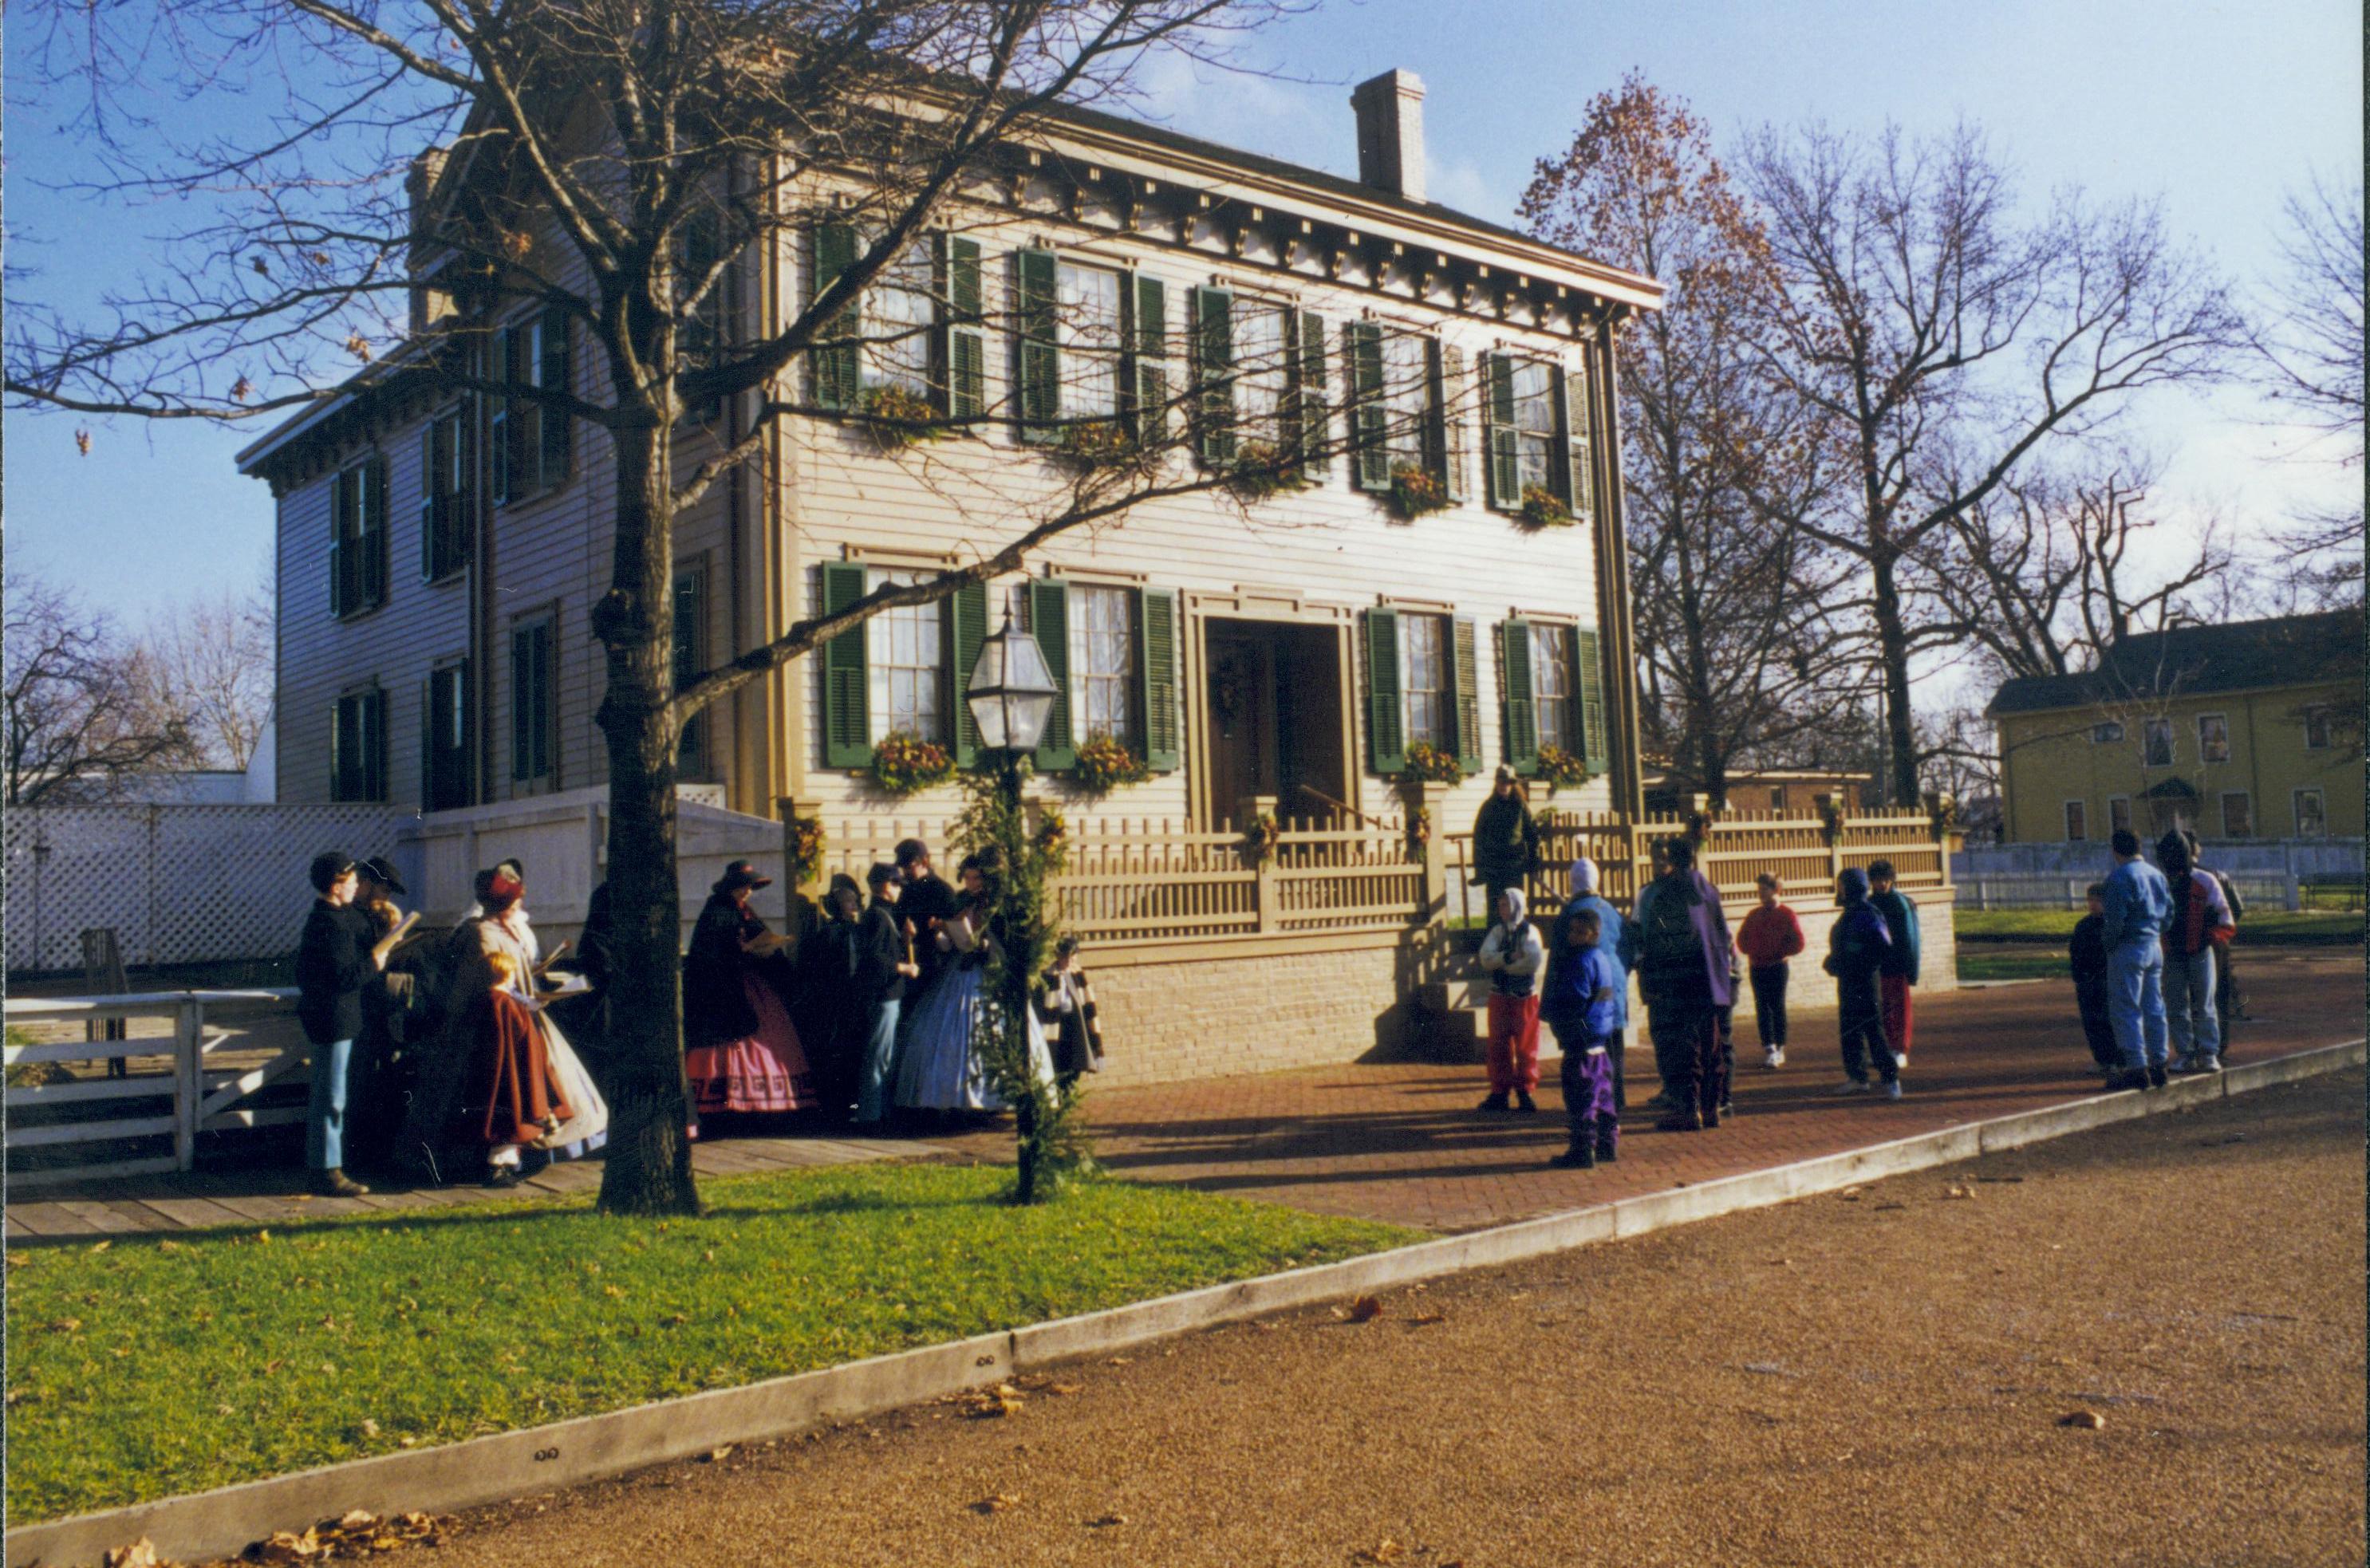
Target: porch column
[(1266, 896)]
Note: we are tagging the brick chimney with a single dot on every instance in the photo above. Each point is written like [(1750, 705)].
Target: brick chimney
[(1390, 134)]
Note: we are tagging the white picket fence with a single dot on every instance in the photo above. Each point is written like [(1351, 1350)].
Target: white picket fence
[(2309, 858), (2257, 891), (179, 884)]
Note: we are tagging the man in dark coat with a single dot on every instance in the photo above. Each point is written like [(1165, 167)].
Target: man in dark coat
[(924, 898), (878, 991), (1505, 839), (829, 1026), (1857, 944), (333, 964), (1678, 946)]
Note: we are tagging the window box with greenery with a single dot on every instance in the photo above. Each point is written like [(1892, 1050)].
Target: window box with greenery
[(1536, 438), (919, 333), (1416, 493), (1262, 469), (1426, 763), (1106, 763), (903, 763), (900, 417), (1543, 508), (1098, 444)]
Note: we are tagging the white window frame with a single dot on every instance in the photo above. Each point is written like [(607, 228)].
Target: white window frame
[(1444, 736), (2205, 746), (1087, 358), (2073, 810), (2149, 729), (901, 313), (1534, 455), (1089, 679), (1407, 396), (927, 622), (1551, 655)]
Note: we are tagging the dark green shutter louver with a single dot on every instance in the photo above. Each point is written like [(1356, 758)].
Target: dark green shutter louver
[(1155, 654), (1466, 642), (1386, 716), (832, 361), (962, 353), (552, 374), (1449, 396), (1039, 391), (1522, 705), (339, 502), (1148, 342), (966, 630), (1438, 423), (1370, 413), (1580, 462), (431, 503), (498, 419), (1214, 375), (846, 724), (1588, 679), (1049, 622), (374, 745), (1308, 377), (1503, 448), (373, 536)]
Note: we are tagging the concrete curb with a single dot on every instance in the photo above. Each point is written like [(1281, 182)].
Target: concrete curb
[(543, 1459)]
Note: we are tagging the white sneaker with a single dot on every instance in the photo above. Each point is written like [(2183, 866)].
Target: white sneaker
[(1849, 1086), (2208, 1064), (1775, 1059), (1892, 1089), (1900, 1059)]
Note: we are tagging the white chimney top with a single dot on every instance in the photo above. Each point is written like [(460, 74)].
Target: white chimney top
[(1390, 132)]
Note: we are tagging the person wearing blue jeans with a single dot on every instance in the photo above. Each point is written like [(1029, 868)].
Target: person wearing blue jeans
[(334, 962), (881, 971), (2138, 902)]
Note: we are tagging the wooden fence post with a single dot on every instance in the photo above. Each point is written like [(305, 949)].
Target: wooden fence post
[(1266, 892), (189, 1078)]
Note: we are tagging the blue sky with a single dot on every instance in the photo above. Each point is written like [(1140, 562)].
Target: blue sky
[(2222, 108)]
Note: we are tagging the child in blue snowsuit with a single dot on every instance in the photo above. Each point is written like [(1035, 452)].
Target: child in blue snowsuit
[(1583, 1007), (1857, 949)]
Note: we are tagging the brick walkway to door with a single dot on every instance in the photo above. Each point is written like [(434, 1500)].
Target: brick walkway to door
[(1403, 1143)]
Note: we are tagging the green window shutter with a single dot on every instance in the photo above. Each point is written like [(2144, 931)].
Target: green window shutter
[(1309, 394), (1155, 677), (1521, 707), (552, 374), (1369, 418), (522, 703), (1448, 396), (1038, 378), (1580, 471), (1437, 425), (374, 707), (832, 361), (1148, 341), (1386, 717), (339, 502), (1467, 643), (962, 351), (1049, 622), (1588, 680), (497, 419), (1214, 374), (1503, 453), (373, 531), (966, 615), (846, 724), (431, 503)]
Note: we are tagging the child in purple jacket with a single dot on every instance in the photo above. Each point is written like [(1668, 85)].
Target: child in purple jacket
[(1583, 1007)]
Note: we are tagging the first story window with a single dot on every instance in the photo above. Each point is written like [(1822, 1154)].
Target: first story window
[(532, 690), (2212, 738), (445, 771), (690, 663), (2156, 737), (2077, 822), (2311, 813), (906, 655), (1102, 663), (2238, 815), (1551, 690), (1424, 682), (358, 747), (2119, 813), (2106, 733)]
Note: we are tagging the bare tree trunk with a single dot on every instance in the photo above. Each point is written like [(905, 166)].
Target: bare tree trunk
[(649, 1166), (1892, 656)]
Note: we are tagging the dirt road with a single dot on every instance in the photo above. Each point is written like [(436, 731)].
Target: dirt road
[(1877, 1378)]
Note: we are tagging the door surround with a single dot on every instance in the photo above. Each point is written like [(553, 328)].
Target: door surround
[(1284, 606)]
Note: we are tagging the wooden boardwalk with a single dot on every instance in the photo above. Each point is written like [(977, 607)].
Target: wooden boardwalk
[(275, 1196)]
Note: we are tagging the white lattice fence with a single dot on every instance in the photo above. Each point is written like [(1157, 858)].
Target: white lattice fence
[(179, 884)]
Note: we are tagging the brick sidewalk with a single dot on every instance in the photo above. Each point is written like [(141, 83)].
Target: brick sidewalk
[(1402, 1143)]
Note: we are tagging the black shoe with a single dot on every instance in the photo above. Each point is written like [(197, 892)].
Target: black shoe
[(1493, 1103), (1607, 1151), (334, 1182), (1522, 1101), (1681, 1121), (2157, 1077), (1579, 1157), (2130, 1078), (502, 1176)]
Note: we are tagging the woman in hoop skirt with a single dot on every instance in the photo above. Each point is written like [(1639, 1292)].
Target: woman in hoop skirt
[(744, 1054), (941, 1068)]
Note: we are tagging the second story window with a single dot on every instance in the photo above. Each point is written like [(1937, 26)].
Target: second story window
[(2106, 733), (2319, 724), (1536, 417), (1261, 382), (1087, 328), (2155, 738), (447, 501), (358, 537), (899, 313), (528, 440), (2212, 738)]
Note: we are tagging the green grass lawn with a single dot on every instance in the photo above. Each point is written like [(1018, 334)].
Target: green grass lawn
[(151, 1366), (2260, 928)]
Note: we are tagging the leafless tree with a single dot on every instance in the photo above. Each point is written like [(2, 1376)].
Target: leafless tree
[(623, 167), (86, 711), (2308, 353), (2038, 574), (1736, 607), (1945, 341), (214, 656)]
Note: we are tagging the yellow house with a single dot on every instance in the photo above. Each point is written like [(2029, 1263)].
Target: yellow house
[(2251, 730)]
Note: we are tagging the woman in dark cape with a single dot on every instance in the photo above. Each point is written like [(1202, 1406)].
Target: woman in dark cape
[(742, 1052)]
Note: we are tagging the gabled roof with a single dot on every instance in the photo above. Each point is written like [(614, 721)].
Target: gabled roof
[(2189, 661)]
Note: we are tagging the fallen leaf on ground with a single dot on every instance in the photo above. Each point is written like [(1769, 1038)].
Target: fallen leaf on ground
[(1106, 1521), (141, 1553), (1388, 1550), (1960, 1192), (2089, 1420), (100, 1247), (360, 1520), (1425, 1320), (719, 1453), (67, 1326), (995, 1505), (1366, 1310), (1061, 1387)]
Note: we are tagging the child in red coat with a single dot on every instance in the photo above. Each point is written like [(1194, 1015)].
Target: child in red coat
[(1769, 936)]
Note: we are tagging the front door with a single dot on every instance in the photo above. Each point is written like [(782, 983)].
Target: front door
[(1241, 698), (1272, 700)]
